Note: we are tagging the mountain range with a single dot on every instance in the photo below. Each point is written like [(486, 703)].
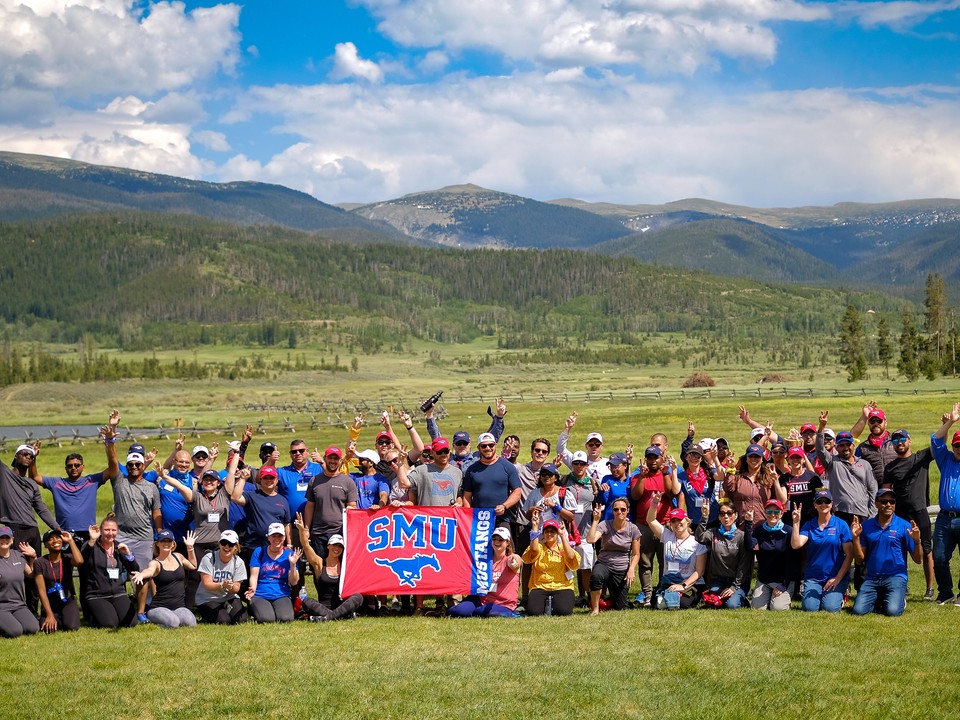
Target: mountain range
[(890, 245)]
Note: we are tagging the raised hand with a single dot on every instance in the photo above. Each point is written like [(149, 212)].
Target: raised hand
[(358, 421), (94, 531), (114, 418), (855, 527), (796, 514), (501, 408), (189, 539), (691, 428), (914, 532), (629, 453), (596, 514), (298, 522), (404, 417), (748, 516), (824, 417), (214, 450), (743, 414), (295, 556), (151, 454), (385, 420), (181, 439), (570, 422), (27, 551), (247, 434)]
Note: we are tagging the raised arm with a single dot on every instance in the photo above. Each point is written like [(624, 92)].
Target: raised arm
[(417, 443), (652, 521), (184, 490), (797, 540), (861, 422), (948, 420), (316, 562), (745, 418)]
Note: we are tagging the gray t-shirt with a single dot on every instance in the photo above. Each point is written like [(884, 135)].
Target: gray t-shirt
[(330, 496), (211, 564), (615, 545), (436, 487), (12, 581), (133, 504)]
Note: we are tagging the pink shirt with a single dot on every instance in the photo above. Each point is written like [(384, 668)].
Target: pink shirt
[(507, 582)]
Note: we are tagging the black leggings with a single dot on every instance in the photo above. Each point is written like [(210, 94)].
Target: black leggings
[(112, 612), (227, 612), (615, 581), (67, 614), (345, 609), (563, 601)]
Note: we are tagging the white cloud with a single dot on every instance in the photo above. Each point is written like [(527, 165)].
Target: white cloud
[(348, 63), (897, 15), (211, 139), (433, 62), (91, 48), (610, 138)]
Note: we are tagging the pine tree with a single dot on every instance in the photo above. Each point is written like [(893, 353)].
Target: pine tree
[(907, 365), (884, 348), (936, 315), (852, 345)]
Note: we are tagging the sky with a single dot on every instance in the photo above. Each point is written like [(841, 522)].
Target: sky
[(767, 103)]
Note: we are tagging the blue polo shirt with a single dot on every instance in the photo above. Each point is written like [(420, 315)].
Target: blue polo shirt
[(369, 488), (825, 548), (949, 474), (886, 548), (293, 484), (176, 512), (75, 501)]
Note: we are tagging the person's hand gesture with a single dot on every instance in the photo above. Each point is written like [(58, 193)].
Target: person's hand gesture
[(562, 530), (629, 453), (189, 539), (351, 449), (385, 420), (36, 450), (501, 408), (855, 527), (705, 506), (596, 514), (796, 515), (181, 439), (955, 412), (123, 549), (247, 434), (114, 418), (108, 431), (214, 451), (748, 516), (244, 474), (295, 556), (824, 418), (914, 532), (671, 463), (358, 421), (655, 497), (316, 457), (298, 522), (691, 429), (151, 454), (868, 407), (27, 551), (558, 459), (136, 577), (570, 422), (404, 417), (743, 414), (159, 469), (535, 519), (94, 531)]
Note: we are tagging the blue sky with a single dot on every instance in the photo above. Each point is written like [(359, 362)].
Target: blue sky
[(758, 102)]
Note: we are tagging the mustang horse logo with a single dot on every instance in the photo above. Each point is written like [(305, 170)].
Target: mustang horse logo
[(410, 570)]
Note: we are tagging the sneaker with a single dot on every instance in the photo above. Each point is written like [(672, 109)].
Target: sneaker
[(928, 595), (640, 599), (946, 600), (957, 602), (317, 618), (142, 618)]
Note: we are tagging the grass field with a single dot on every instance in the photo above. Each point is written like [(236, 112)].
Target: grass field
[(632, 664)]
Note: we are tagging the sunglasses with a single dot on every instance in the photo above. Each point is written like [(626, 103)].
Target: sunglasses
[(594, 443), (297, 451), (579, 462), (620, 509), (73, 466), (887, 501), (823, 501), (898, 441), (385, 442), (773, 511), (227, 543), (726, 513), (461, 443), (395, 461), (134, 464), (441, 452), (484, 446), (540, 451), (779, 452)]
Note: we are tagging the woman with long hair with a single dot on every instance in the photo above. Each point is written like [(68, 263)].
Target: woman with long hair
[(326, 579), (753, 484), (168, 569), (106, 566), (829, 544), (616, 565), (504, 590)]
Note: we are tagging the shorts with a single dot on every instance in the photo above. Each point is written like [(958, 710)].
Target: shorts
[(585, 551)]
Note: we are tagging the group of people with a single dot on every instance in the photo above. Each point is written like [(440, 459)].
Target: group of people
[(803, 517)]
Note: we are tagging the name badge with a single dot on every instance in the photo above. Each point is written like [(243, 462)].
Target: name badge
[(570, 574), (169, 488), (302, 486), (582, 508), (213, 517), (113, 573)]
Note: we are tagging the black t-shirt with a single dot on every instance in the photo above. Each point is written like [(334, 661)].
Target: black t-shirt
[(910, 478), (800, 489), (53, 573)]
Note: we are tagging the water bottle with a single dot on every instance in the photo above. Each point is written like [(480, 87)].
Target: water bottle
[(431, 401), (549, 608)]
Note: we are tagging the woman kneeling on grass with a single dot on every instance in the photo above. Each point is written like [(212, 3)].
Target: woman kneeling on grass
[(829, 546), (771, 542), (502, 596), (554, 566), (273, 571), (730, 556), (15, 567), (168, 607), (53, 575), (326, 579), (221, 573), (684, 559), (616, 566), (106, 564)]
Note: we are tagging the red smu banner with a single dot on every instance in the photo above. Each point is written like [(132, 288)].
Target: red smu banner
[(417, 551)]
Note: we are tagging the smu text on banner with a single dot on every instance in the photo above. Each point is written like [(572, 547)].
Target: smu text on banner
[(417, 551)]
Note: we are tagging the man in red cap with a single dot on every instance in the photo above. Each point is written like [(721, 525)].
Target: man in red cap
[(877, 448), (328, 495)]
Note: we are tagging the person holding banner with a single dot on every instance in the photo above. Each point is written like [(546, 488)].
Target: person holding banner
[(503, 594), (555, 564), (326, 579)]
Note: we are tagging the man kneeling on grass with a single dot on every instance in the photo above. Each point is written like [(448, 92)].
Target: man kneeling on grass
[(885, 541)]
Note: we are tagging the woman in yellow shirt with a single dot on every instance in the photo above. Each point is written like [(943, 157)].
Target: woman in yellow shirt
[(554, 567)]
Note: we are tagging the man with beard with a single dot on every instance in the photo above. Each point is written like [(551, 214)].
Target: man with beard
[(877, 448), (372, 487), (329, 494), (909, 476), (136, 504), (491, 482)]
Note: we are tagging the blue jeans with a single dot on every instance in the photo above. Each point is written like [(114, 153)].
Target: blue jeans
[(946, 537), (816, 598), (890, 591), (735, 601)]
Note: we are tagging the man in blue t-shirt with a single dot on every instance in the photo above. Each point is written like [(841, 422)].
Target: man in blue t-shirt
[(884, 540), (491, 482), (373, 489), (295, 478)]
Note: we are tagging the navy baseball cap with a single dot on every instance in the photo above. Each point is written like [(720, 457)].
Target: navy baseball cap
[(900, 434), (165, 535), (461, 437), (754, 449), (844, 437), (550, 469), (137, 448), (652, 450), (619, 458)]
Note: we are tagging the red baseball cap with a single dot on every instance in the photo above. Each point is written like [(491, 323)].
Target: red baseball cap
[(333, 450), (808, 427), (956, 438), (441, 444), (676, 514), (775, 503), (876, 413), (795, 452), (268, 471)]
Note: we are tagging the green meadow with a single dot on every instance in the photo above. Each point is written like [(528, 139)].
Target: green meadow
[(637, 663)]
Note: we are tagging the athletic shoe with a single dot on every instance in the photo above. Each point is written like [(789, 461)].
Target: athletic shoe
[(317, 618), (946, 600), (142, 618), (957, 602), (928, 595)]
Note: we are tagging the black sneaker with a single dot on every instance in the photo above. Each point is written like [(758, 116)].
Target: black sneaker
[(945, 600), (928, 595)]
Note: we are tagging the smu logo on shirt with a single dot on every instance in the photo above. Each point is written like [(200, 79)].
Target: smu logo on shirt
[(443, 487)]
